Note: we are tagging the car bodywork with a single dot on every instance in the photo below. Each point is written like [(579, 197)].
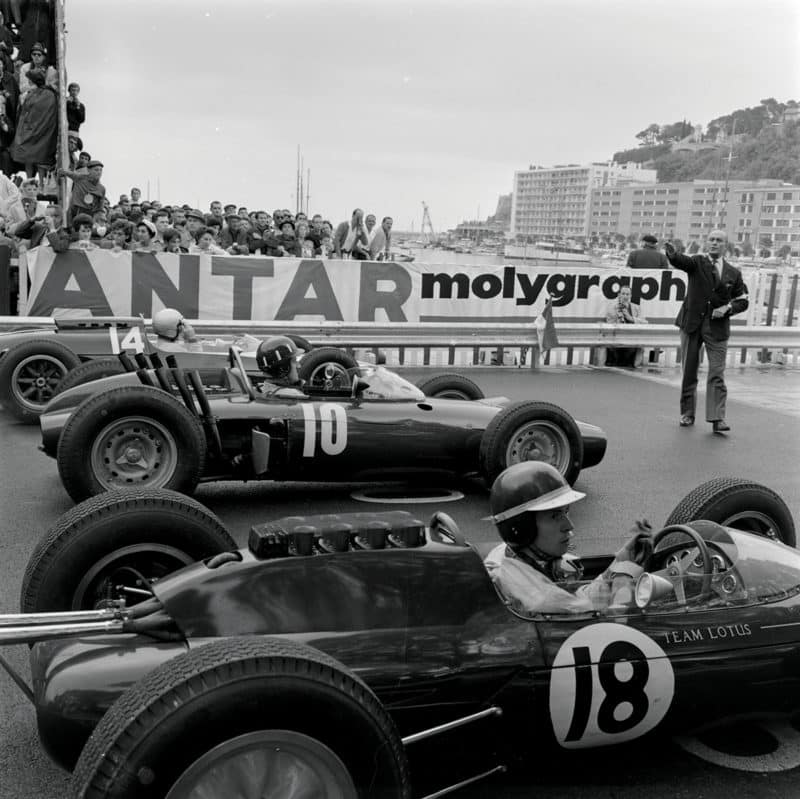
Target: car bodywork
[(387, 614), (384, 427)]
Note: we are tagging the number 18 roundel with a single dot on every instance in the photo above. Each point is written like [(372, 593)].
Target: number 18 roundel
[(609, 684)]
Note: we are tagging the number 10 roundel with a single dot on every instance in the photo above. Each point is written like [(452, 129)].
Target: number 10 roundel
[(609, 684)]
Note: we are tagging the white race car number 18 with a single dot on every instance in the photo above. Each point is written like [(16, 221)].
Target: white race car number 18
[(131, 341), (609, 684), (332, 429)]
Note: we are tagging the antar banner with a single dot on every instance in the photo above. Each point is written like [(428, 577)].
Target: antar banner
[(103, 283)]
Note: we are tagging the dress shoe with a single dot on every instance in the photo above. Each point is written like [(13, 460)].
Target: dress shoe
[(720, 427), (686, 421)]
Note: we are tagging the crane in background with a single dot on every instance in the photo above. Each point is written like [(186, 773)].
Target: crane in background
[(428, 233)]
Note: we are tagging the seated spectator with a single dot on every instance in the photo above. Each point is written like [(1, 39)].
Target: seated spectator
[(38, 61), (205, 244), (82, 227), (99, 226), (76, 110), (288, 245), (88, 192), (213, 226), (145, 237), (172, 241), (622, 311), (37, 128), (234, 237)]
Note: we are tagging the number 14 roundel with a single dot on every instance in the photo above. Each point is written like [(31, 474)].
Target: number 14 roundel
[(609, 684)]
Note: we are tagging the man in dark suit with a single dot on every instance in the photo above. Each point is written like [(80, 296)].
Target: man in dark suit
[(648, 257), (715, 292)]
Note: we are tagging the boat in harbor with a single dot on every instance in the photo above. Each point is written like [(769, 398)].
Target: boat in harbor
[(547, 251)]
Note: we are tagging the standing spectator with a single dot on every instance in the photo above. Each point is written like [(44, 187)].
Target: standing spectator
[(120, 235), (381, 244), (715, 292), (215, 209), (261, 238), (87, 190), (38, 61), (76, 110), (179, 223), (99, 226), (161, 221), (34, 143), (195, 221), (348, 233), (9, 90), (74, 146), (83, 162), (7, 131), (648, 257), (7, 46), (11, 207), (36, 27), (315, 232), (136, 195)]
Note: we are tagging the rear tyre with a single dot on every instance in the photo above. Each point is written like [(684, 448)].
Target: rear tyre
[(739, 503), (116, 541), (328, 369), (29, 375), (531, 431), (260, 710), (130, 436), (450, 386), (89, 371)]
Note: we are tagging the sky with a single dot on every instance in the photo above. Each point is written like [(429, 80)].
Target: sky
[(395, 104)]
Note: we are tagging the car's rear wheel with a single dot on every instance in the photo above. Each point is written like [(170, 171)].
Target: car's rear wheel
[(268, 716), (327, 368), (450, 386), (114, 546), (739, 503), (130, 436), (531, 431), (89, 371), (29, 375)]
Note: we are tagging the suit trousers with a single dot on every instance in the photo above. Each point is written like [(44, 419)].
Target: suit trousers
[(716, 390)]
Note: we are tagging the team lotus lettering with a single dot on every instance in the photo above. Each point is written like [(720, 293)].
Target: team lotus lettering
[(707, 633), (526, 289)]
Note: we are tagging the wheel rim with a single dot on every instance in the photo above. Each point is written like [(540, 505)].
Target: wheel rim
[(452, 393), (539, 441), (330, 376), (753, 521), (134, 451), (280, 764), (127, 573), (34, 380)]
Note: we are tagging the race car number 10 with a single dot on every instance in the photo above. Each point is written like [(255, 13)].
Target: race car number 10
[(332, 429), (609, 684)]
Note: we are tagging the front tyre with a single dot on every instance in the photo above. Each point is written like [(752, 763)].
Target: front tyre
[(130, 436), (264, 714), (531, 431), (739, 503), (450, 386)]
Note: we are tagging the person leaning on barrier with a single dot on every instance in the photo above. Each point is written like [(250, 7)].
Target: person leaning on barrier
[(532, 568), (648, 256), (715, 292), (622, 311)]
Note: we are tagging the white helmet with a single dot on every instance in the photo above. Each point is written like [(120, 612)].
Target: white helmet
[(167, 323)]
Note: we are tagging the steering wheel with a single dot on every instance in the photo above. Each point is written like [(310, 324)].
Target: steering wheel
[(235, 359), (676, 572), (444, 526)]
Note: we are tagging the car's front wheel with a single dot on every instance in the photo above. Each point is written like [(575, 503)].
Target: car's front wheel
[(450, 386), (249, 717), (739, 503)]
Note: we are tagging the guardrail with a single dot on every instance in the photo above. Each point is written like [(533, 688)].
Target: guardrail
[(439, 344)]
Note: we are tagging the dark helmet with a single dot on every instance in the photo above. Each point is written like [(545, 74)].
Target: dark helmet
[(522, 489), (274, 354)]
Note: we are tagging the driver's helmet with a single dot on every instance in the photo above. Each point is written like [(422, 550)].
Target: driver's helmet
[(520, 491), (274, 355), (167, 322)]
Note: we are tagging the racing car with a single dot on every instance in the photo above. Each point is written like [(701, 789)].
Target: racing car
[(36, 363), (167, 663), (159, 428)]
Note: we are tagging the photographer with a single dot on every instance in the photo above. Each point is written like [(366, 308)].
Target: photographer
[(349, 234), (622, 311)]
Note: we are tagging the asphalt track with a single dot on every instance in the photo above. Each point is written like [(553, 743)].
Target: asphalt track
[(650, 465)]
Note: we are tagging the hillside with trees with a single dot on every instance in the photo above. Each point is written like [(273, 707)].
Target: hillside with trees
[(747, 144)]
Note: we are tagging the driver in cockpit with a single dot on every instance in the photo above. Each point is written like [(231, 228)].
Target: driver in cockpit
[(532, 568), (277, 359)]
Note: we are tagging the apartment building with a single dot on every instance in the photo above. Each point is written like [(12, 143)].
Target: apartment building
[(551, 202), (762, 212)]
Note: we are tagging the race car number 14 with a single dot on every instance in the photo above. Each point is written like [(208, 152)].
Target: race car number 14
[(609, 684), (132, 340)]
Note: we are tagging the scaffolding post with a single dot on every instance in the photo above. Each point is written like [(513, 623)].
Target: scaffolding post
[(62, 149)]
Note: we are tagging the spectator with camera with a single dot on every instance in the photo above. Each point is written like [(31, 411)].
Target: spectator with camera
[(350, 234)]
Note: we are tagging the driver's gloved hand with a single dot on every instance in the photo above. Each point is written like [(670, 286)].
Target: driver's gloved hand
[(640, 546)]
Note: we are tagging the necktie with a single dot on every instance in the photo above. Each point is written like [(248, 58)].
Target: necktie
[(715, 263)]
